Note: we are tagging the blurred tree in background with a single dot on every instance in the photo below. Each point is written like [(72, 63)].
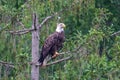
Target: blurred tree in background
[(88, 23)]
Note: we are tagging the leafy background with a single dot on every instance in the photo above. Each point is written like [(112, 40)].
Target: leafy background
[(88, 23)]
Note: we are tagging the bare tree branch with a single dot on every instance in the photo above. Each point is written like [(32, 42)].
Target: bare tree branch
[(49, 17), (7, 64), (68, 52), (2, 62), (55, 62), (44, 21), (40, 25), (20, 31), (116, 33), (48, 58)]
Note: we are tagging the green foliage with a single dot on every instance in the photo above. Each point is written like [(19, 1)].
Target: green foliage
[(87, 21), (91, 67)]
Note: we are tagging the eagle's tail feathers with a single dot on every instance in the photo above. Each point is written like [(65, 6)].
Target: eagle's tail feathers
[(42, 57)]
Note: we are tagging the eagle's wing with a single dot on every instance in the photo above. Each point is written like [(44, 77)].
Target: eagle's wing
[(48, 44), (51, 41)]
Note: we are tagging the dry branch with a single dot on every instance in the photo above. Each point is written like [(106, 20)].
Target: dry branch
[(23, 26), (49, 58), (55, 62), (7, 64), (116, 33), (53, 15), (44, 21), (21, 31), (40, 25)]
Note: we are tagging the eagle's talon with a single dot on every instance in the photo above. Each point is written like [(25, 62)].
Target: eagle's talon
[(55, 55)]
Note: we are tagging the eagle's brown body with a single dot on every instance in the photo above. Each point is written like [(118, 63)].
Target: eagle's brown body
[(51, 45)]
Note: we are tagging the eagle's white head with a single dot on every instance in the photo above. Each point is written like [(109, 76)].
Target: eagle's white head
[(60, 27)]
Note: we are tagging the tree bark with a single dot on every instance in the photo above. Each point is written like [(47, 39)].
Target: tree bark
[(35, 48)]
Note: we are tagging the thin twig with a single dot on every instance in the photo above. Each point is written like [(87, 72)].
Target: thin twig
[(53, 15), (23, 26), (44, 21), (116, 33), (20, 31), (62, 53), (7, 64)]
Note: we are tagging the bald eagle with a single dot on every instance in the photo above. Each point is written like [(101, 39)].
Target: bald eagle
[(53, 43)]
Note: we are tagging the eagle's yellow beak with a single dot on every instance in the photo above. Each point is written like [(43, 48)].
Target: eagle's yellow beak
[(63, 26)]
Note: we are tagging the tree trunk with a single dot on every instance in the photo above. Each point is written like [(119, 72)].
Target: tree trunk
[(35, 48)]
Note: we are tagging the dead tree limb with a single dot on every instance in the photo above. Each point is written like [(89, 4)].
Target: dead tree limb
[(49, 17), (21, 33), (53, 15), (44, 21), (55, 62), (2, 62), (24, 31), (7, 64), (116, 33), (18, 31)]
